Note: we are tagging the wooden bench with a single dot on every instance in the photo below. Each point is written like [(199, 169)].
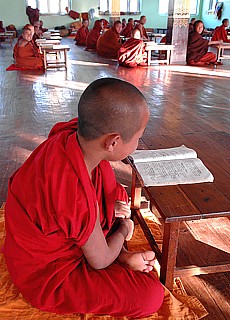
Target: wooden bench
[(151, 46), (58, 50), (181, 203)]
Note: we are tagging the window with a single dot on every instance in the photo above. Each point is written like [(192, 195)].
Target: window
[(126, 6), (163, 6), (50, 6)]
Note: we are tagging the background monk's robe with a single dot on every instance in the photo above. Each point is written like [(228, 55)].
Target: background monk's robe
[(197, 49), (94, 34), (132, 53), (220, 33), (81, 36), (51, 217), (126, 32), (28, 57), (142, 30), (108, 44)]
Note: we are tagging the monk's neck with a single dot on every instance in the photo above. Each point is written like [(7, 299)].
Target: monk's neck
[(90, 153)]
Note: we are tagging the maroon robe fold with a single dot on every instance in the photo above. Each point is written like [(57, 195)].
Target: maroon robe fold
[(132, 53), (220, 33), (81, 36), (197, 49), (108, 44), (50, 213), (94, 34), (126, 32)]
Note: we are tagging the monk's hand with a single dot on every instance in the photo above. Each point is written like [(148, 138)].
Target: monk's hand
[(122, 209), (139, 261), (128, 224)]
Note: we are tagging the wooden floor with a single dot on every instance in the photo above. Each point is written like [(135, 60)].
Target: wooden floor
[(182, 99)]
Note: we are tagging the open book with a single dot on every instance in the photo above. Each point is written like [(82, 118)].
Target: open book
[(171, 166)]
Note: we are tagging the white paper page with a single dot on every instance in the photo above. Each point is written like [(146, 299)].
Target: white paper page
[(163, 154), (186, 171)]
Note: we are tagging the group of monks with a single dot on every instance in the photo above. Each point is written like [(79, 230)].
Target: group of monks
[(26, 51), (197, 50), (108, 42)]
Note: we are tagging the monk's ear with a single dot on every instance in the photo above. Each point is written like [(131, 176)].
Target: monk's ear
[(111, 141)]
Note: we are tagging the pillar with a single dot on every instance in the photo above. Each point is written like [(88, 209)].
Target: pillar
[(177, 28), (114, 11)]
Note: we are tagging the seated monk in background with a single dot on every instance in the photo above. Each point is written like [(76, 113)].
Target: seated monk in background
[(64, 246), (191, 24), (132, 52), (220, 32), (82, 33), (126, 32), (37, 31), (109, 42), (197, 49), (41, 27), (94, 34), (26, 53), (140, 26)]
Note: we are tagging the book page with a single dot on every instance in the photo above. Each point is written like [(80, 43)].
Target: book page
[(163, 154), (161, 173)]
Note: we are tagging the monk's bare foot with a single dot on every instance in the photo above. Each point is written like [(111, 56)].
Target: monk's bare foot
[(138, 261)]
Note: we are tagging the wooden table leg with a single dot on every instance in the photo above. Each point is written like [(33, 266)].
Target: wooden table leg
[(149, 57), (169, 253), (65, 58), (45, 62), (135, 192)]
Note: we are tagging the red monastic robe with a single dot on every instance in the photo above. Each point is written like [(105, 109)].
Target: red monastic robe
[(94, 34), (81, 36), (220, 33), (132, 53), (126, 32), (50, 213), (142, 30), (28, 57), (108, 44), (197, 50)]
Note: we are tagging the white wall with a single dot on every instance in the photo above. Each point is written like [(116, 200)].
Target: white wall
[(209, 20)]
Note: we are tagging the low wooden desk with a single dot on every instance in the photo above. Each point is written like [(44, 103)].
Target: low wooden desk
[(7, 35), (57, 50), (220, 51), (181, 203), (152, 46)]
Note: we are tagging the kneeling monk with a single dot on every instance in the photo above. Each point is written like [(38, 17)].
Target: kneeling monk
[(26, 53), (64, 245), (94, 34), (197, 49), (132, 52), (82, 34), (109, 42)]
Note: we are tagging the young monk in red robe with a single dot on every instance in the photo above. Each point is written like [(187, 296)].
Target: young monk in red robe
[(26, 53), (82, 34), (94, 34), (141, 28), (132, 52), (109, 42), (64, 246), (197, 49), (220, 32), (126, 32)]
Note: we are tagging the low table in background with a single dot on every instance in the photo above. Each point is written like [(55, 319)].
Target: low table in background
[(60, 52), (166, 49)]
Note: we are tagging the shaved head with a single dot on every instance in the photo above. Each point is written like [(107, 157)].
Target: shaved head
[(110, 105)]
